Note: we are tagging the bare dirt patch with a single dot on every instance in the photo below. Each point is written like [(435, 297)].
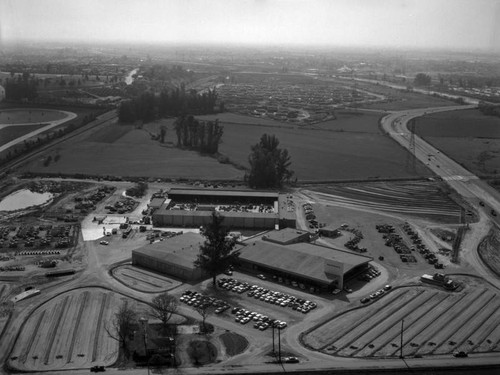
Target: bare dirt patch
[(489, 252), (435, 322)]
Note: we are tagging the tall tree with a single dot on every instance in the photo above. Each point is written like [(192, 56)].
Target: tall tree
[(122, 326), (269, 164), (163, 306), (216, 253)]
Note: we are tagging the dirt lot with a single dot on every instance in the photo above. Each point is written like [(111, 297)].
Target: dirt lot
[(143, 280), (424, 199), (68, 332), (435, 322)]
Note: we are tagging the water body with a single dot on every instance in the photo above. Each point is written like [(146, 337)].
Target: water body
[(22, 199), (129, 78)]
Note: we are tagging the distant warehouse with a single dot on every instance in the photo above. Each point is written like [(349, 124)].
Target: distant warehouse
[(240, 208)]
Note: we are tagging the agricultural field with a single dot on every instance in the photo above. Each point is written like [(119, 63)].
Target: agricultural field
[(29, 115), (424, 199), (335, 155), (134, 154), (67, 332), (435, 322), (338, 150), (143, 280), (10, 133), (398, 100), (469, 137)]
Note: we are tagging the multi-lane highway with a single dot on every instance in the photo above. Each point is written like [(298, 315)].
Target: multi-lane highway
[(477, 192)]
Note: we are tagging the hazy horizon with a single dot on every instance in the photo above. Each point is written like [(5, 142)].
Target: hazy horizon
[(444, 24)]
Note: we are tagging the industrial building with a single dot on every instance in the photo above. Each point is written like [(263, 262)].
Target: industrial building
[(284, 254), (240, 209), (173, 257), (321, 267)]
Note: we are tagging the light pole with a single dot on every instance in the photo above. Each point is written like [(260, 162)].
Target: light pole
[(144, 323), (401, 347), (279, 343)]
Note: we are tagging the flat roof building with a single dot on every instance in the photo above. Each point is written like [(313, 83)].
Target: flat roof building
[(240, 209), (174, 256)]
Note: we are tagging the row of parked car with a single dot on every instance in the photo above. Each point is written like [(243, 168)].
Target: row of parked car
[(242, 316), (371, 273), (267, 295), (375, 295), (199, 300), (429, 256)]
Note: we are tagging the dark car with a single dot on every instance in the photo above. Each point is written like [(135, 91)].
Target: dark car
[(290, 360), (97, 369), (460, 354), (365, 300)]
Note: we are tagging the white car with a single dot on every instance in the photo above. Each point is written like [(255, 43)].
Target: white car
[(261, 276), (104, 243)]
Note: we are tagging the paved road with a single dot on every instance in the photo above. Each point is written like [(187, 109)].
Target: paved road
[(477, 192), (52, 124)]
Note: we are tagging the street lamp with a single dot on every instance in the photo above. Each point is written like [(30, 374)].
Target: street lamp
[(144, 323)]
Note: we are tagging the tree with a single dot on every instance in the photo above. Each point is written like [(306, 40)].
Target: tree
[(163, 306), (422, 79), (122, 326), (204, 310), (269, 165), (216, 253)]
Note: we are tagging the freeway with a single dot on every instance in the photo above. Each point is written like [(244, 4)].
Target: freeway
[(478, 193)]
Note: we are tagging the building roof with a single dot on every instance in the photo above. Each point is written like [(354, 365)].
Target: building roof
[(156, 202), (223, 193), (302, 259), (284, 235), (181, 250), (164, 211)]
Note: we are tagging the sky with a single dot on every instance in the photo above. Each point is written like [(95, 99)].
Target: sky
[(451, 24)]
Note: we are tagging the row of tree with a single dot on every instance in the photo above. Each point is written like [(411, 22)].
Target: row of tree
[(147, 106), (203, 136), (21, 89)]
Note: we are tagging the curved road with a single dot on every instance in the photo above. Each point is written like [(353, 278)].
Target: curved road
[(477, 192)]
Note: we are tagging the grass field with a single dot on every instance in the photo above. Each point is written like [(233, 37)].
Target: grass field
[(400, 99), (12, 132), (435, 322), (29, 115), (469, 137), (234, 343), (349, 148), (134, 154)]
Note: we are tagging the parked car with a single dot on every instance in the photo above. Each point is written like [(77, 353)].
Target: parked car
[(365, 300), (460, 354), (97, 369), (104, 243), (261, 276), (290, 360)]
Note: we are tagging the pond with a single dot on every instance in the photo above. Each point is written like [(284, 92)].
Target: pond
[(22, 199)]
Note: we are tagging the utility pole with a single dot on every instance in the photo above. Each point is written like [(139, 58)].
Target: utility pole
[(272, 326), (144, 323), (279, 343), (401, 347)]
